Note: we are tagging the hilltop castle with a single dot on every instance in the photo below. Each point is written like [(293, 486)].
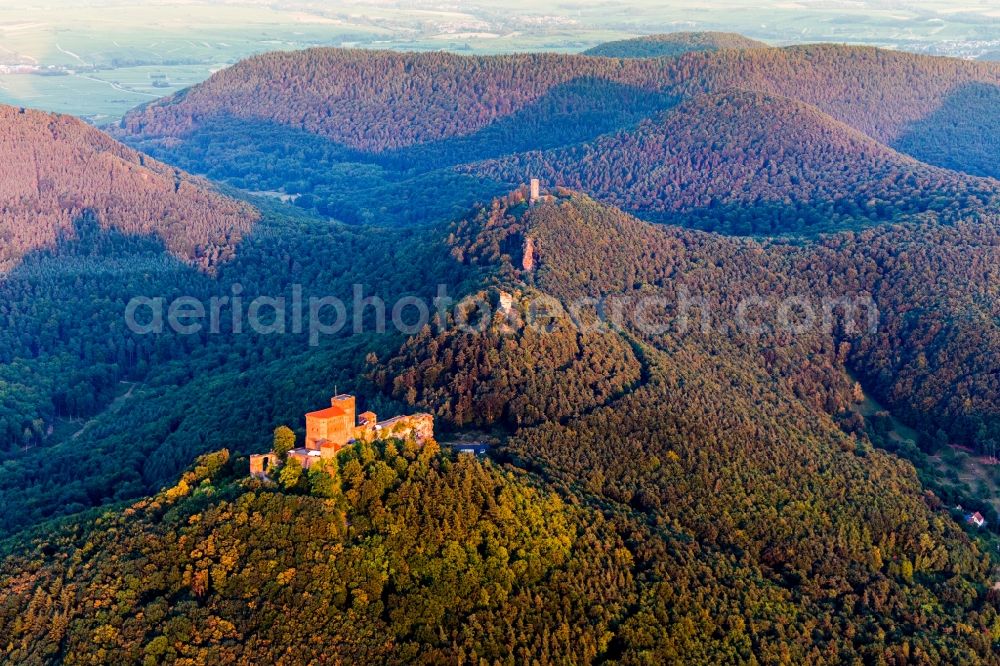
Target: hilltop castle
[(330, 430)]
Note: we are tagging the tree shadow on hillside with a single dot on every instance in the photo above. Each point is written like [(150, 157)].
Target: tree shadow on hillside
[(66, 339), (410, 185), (65, 326), (64, 351), (570, 113), (87, 246), (963, 134)]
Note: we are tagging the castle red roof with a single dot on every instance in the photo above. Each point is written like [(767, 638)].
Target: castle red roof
[(328, 413)]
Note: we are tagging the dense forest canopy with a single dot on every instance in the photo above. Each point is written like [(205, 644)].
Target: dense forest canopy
[(938, 368), (709, 491), (748, 163), (402, 554), (375, 101), (673, 44), (315, 125), (479, 565), (55, 170), (688, 494), (80, 390)]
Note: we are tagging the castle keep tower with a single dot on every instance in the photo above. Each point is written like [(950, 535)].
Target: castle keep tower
[(335, 424), (536, 190)]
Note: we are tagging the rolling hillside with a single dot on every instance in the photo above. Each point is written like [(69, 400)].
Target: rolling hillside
[(705, 508), (750, 163), (673, 44), (375, 101), (56, 170), (681, 465), (931, 357), (316, 123)]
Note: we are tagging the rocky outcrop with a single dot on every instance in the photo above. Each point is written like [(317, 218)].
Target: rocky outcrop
[(419, 426), (528, 259)]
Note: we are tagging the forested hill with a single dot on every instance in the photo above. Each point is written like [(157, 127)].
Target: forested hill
[(673, 44), (665, 497), (691, 499), (408, 556), (375, 101), (402, 554), (57, 172), (937, 369), (721, 420), (374, 137), (745, 163)]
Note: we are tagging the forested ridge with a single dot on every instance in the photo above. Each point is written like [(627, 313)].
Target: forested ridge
[(408, 557), (706, 509), (378, 100), (693, 493), (932, 357), (313, 124), (511, 372), (54, 170), (748, 163), (730, 420), (411, 555), (673, 44)]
